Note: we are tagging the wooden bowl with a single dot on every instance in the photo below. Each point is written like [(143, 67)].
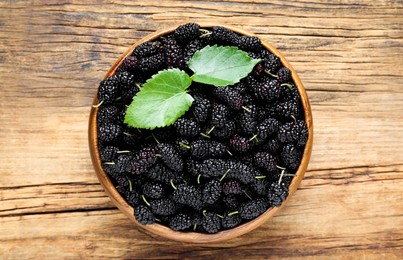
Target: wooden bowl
[(194, 237)]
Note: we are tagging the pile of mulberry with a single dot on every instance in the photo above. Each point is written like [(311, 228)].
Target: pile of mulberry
[(228, 159)]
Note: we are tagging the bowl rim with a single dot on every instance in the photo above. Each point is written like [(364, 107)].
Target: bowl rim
[(194, 237)]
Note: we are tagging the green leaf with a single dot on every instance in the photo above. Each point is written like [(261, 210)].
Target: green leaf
[(221, 65), (161, 100)]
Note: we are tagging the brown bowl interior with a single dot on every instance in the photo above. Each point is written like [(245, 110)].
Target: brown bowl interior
[(194, 237)]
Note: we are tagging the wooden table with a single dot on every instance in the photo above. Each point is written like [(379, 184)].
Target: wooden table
[(349, 54)]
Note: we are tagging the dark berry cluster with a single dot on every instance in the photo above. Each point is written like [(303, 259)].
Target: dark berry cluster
[(227, 160)]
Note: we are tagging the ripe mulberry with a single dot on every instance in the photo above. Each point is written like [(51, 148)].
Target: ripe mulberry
[(153, 190), (211, 222), (108, 90), (170, 157), (188, 195), (222, 35), (232, 187), (203, 149), (109, 132), (252, 209), (277, 194), (231, 221), (211, 192), (219, 115), (290, 156), (144, 215), (249, 43), (163, 207), (284, 75), (201, 108), (294, 132), (186, 127), (265, 161), (187, 32), (229, 96), (191, 48), (248, 119), (240, 144), (173, 53), (180, 222), (267, 90), (147, 49), (108, 153)]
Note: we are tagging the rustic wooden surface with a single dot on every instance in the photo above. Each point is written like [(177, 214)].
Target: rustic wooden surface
[(348, 54)]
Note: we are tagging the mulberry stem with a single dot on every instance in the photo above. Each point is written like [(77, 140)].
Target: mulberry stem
[(155, 138), (233, 213), (130, 186), (260, 177), (144, 199), (172, 184), (204, 135), (109, 163), (211, 130), (287, 85), (246, 109), (137, 85), (225, 174), (281, 176), (271, 74), (247, 195), (279, 167), (98, 105), (184, 145), (123, 151), (198, 179)]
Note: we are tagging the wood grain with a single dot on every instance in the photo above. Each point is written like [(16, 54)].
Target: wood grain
[(347, 53)]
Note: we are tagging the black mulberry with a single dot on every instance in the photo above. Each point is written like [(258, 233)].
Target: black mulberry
[(187, 32), (170, 157), (277, 194), (290, 156), (252, 209), (144, 215), (229, 96), (211, 222), (203, 149), (108, 90), (180, 222), (186, 127), (153, 190), (211, 192), (188, 195)]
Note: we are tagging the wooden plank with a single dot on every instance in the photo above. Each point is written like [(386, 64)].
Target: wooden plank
[(347, 53), (353, 205)]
